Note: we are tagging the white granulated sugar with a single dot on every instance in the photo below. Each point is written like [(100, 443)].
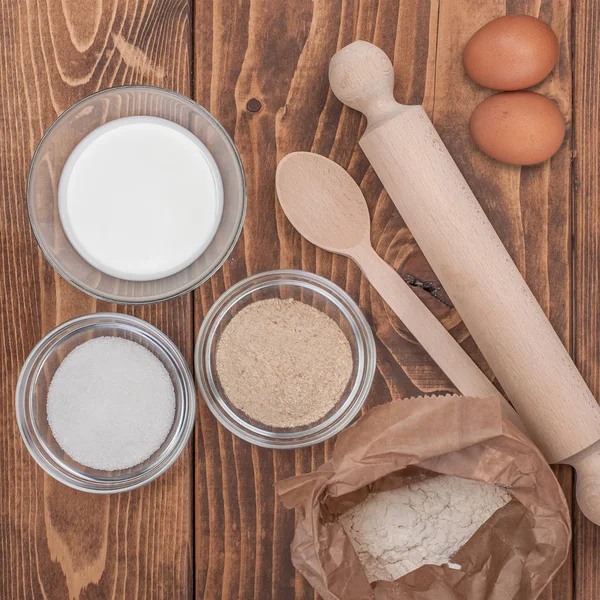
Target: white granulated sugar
[(111, 404), (398, 531)]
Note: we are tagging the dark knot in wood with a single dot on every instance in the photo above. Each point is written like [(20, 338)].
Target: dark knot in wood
[(253, 105)]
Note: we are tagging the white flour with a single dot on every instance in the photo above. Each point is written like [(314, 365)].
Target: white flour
[(398, 531)]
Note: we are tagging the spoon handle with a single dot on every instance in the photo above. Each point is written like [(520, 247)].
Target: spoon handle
[(427, 330)]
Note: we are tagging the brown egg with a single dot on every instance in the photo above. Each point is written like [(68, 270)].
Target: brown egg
[(511, 53), (520, 128)]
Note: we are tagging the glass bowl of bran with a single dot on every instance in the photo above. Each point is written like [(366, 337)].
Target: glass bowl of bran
[(315, 291)]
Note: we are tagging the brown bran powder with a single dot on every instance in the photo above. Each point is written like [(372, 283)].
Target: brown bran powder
[(283, 362)]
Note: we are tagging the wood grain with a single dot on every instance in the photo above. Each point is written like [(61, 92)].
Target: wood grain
[(241, 534), (56, 543), (277, 53), (529, 207), (586, 265)]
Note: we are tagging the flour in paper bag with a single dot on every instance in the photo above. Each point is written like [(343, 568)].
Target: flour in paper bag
[(398, 531)]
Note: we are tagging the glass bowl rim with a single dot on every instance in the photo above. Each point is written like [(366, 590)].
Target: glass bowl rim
[(346, 412), (28, 430), (156, 298)]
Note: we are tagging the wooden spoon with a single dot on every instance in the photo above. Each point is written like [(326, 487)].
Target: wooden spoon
[(327, 207)]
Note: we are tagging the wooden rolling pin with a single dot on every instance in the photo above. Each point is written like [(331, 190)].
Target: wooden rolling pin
[(462, 247)]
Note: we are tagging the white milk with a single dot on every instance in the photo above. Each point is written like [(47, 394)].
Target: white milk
[(140, 198)]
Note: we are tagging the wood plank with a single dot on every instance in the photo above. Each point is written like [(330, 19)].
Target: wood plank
[(278, 54), (586, 241), (55, 542), (530, 207)]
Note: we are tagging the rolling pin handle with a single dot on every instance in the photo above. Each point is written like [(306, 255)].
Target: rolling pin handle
[(588, 485), (362, 77)]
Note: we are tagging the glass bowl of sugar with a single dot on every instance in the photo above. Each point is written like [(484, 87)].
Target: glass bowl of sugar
[(285, 359), (136, 195), (105, 403)]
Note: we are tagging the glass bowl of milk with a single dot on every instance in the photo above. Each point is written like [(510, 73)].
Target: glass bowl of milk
[(136, 195)]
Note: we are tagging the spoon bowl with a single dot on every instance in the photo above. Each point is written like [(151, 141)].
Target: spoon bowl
[(323, 202)]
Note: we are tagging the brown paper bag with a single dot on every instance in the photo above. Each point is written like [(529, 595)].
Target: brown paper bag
[(512, 556)]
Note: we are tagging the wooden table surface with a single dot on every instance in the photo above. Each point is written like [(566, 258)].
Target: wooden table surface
[(211, 527)]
